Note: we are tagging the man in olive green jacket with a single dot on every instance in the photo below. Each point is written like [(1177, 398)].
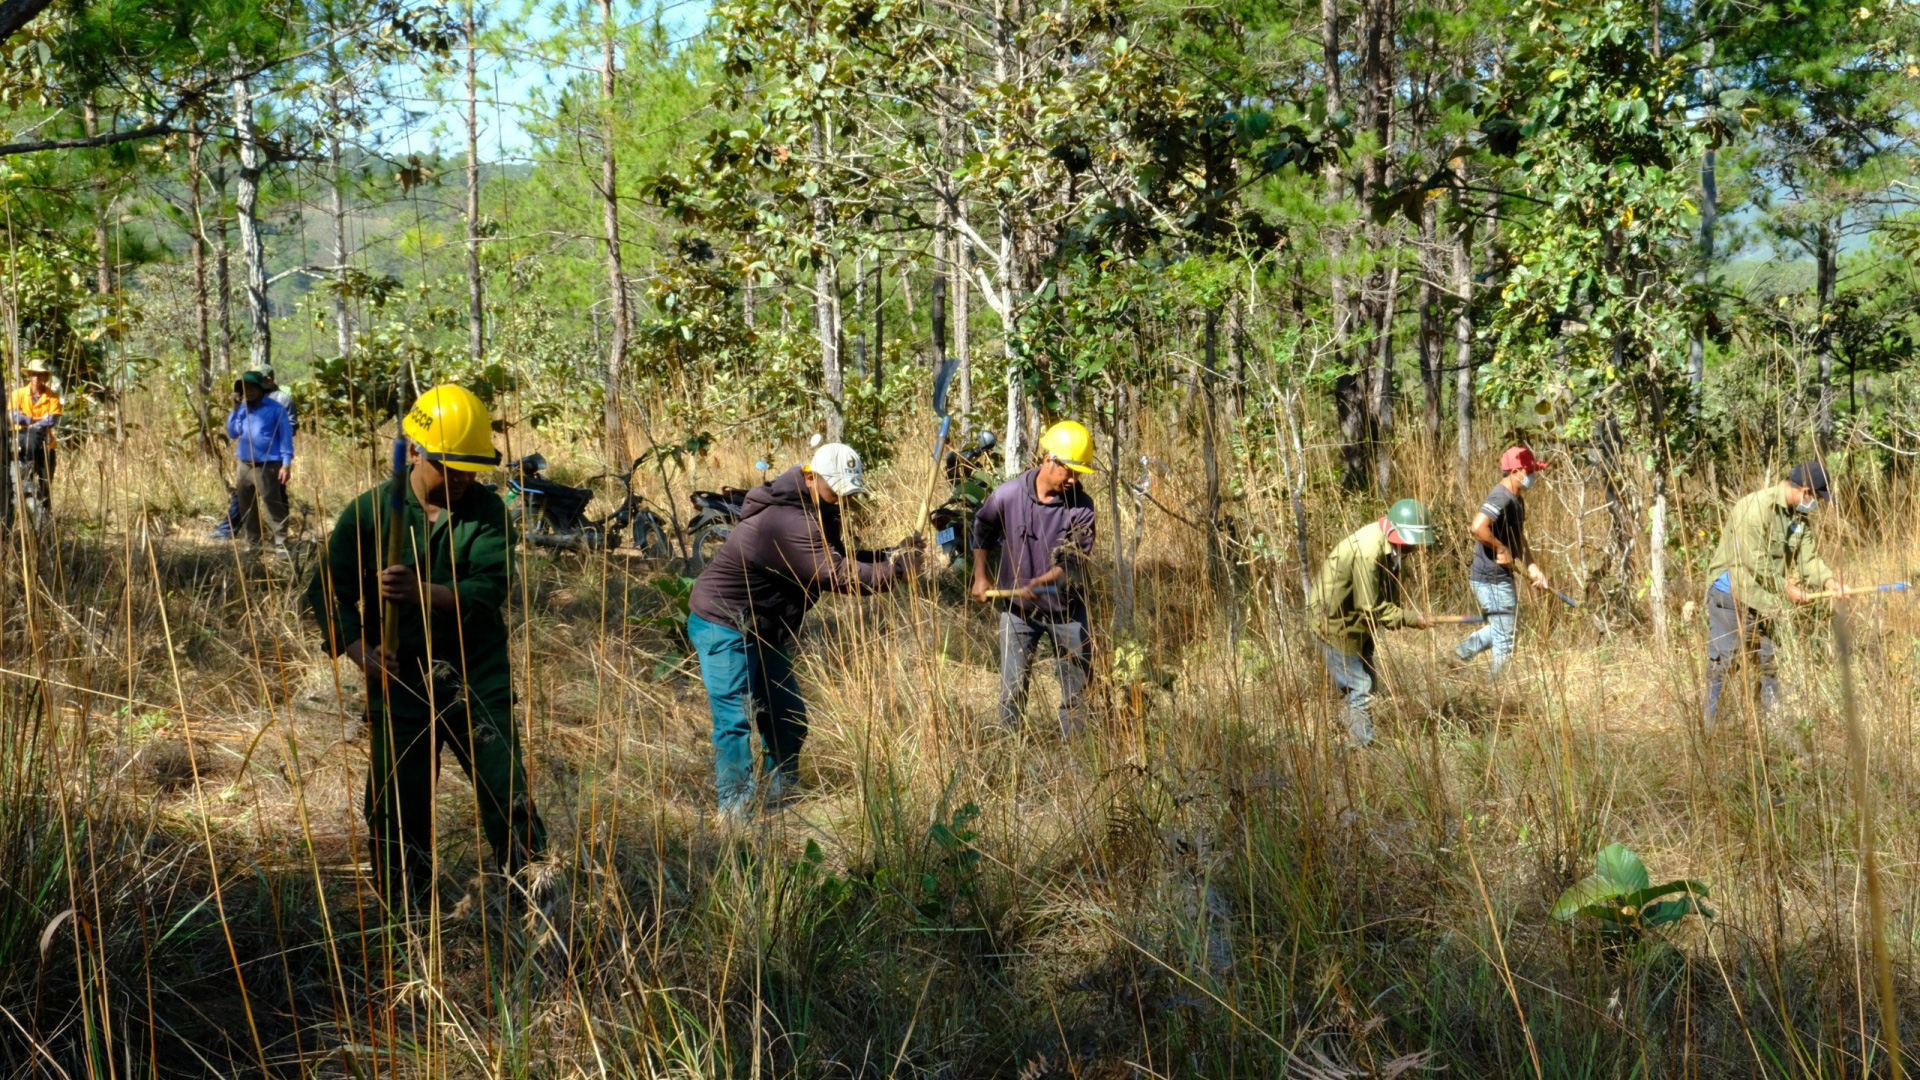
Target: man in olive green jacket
[(445, 681), (1357, 593), (1766, 563)]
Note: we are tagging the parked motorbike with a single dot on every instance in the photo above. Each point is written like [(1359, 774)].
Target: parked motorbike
[(551, 514), (970, 472), (715, 515)]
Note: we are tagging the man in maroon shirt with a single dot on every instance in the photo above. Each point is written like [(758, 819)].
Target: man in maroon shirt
[(1041, 524), (747, 607)]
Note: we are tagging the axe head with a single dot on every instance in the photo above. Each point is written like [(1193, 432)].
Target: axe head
[(942, 379)]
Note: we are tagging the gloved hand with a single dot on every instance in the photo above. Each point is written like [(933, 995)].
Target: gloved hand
[(19, 417), (45, 424)]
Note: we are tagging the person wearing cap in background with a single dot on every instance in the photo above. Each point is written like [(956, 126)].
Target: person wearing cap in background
[(446, 681), (1765, 565), (1358, 594), (1500, 534), (35, 412), (224, 530), (1040, 525), (746, 611), (262, 434)]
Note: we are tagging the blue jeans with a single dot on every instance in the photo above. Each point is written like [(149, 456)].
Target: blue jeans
[(1501, 604), (749, 685), (1355, 675)]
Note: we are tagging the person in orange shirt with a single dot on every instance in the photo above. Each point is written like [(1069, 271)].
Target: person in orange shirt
[(35, 412)]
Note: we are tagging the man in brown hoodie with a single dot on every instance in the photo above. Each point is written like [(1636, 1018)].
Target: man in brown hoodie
[(747, 607)]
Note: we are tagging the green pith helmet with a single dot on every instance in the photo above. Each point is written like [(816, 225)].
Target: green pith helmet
[(1409, 519)]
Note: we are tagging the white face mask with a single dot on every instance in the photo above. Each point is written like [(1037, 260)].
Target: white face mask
[(1808, 507), (1526, 481)]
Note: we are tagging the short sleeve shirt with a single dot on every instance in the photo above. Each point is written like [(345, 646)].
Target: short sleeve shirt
[(1507, 518)]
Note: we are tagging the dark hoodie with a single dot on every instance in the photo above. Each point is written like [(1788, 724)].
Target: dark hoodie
[(785, 552)]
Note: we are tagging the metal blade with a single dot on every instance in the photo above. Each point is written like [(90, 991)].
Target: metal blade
[(942, 379), (944, 365)]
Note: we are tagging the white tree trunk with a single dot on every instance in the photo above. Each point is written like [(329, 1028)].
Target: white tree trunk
[(616, 435), (476, 297), (1657, 564), (252, 253)]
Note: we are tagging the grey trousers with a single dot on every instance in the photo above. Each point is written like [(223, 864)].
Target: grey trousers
[(257, 488), (1073, 651), (1737, 633)]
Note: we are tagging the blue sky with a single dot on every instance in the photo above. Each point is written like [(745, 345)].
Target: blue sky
[(513, 85)]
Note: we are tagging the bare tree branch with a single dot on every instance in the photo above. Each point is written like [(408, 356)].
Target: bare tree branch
[(109, 138)]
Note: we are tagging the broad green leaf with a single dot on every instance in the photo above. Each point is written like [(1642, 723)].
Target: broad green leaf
[(1672, 911), (1621, 866), (1642, 897), (1584, 893)]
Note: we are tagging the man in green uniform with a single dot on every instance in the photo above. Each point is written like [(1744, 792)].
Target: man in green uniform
[(1358, 593), (444, 679), (1766, 564)]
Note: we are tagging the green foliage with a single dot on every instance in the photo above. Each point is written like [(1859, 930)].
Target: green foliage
[(1621, 896), (1596, 313)]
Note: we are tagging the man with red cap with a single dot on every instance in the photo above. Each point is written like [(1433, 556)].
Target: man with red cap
[(1500, 532)]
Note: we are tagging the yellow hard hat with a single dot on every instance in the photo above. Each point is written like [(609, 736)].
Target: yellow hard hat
[(450, 425), (1071, 444)]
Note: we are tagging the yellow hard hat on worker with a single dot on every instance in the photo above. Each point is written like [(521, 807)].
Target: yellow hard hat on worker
[(1071, 444), (450, 426)]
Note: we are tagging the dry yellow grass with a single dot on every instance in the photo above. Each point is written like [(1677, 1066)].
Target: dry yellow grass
[(1208, 884)]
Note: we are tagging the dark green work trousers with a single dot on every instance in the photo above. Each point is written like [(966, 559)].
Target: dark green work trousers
[(478, 728)]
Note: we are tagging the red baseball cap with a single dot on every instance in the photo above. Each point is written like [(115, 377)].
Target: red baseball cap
[(1520, 457)]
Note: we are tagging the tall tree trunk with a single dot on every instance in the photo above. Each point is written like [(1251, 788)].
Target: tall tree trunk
[(860, 315), (826, 321), (476, 297), (102, 247), (246, 211), (203, 346), (1237, 345), (1210, 444), (1826, 258), (1384, 291), (1433, 390), (1015, 462), (1709, 213), (879, 334), (223, 268), (826, 298), (1349, 389), (336, 180), (616, 431), (1657, 521), (1381, 404), (961, 287), (1463, 350)]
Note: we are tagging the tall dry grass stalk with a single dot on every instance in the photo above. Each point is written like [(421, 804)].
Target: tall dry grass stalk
[(1207, 884)]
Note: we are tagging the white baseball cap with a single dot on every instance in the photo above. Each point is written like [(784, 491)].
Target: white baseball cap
[(839, 465)]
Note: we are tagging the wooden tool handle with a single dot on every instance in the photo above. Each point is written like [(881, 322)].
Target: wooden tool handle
[(1017, 594), (1454, 620)]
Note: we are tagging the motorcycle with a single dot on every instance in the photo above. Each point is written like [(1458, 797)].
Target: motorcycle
[(552, 514), (715, 515), (970, 471)]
